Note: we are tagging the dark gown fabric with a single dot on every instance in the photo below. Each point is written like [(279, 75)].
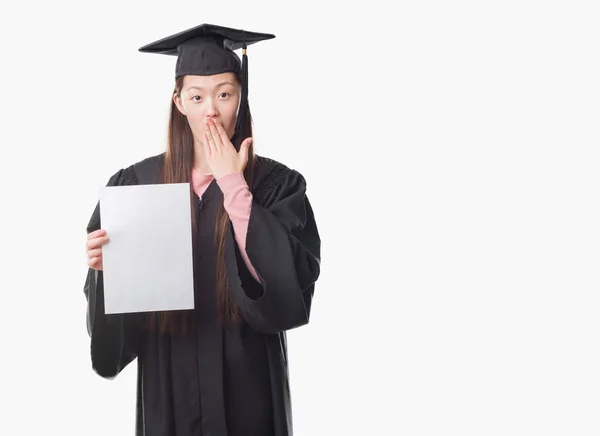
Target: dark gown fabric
[(214, 381)]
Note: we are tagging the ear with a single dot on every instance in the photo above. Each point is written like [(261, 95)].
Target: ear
[(177, 101)]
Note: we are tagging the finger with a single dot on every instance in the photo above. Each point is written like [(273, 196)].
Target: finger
[(96, 233), (96, 264), (243, 153), (210, 144), (214, 134), (97, 242), (222, 133), (97, 252), (206, 145), (208, 134)]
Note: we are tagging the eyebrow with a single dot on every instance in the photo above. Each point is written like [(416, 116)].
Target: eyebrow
[(201, 88)]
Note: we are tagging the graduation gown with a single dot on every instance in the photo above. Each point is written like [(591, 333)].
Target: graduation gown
[(215, 381)]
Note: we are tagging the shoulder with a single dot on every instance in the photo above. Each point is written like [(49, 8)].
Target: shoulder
[(274, 181), (270, 174), (140, 172), (124, 176), (148, 170), (156, 160)]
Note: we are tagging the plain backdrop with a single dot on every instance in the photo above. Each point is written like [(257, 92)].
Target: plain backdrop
[(451, 154)]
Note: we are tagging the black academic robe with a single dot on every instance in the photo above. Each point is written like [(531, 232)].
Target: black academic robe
[(215, 381)]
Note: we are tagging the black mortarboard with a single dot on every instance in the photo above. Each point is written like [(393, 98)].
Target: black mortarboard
[(208, 49)]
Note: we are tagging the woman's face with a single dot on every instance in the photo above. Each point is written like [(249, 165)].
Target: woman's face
[(215, 97)]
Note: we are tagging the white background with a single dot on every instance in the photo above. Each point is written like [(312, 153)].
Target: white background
[(451, 152)]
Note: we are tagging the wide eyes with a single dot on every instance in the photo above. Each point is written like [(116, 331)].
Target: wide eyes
[(223, 95)]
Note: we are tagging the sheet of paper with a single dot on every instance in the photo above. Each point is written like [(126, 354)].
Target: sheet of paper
[(147, 262)]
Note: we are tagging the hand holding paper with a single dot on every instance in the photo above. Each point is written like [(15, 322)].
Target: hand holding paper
[(94, 245)]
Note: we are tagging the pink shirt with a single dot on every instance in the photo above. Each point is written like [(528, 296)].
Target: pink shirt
[(237, 200)]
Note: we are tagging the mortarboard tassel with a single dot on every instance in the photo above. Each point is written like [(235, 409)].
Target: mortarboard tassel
[(240, 134), (244, 77)]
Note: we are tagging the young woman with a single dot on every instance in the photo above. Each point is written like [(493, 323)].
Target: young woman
[(220, 369)]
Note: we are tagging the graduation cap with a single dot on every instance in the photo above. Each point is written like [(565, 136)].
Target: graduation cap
[(208, 49)]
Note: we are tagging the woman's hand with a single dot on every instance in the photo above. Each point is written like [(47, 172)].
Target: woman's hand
[(95, 241), (220, 153)]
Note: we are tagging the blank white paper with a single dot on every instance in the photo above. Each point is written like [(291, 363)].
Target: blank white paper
[(147, 261)]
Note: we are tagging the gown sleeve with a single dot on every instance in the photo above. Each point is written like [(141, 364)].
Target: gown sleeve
[(114, 336), (283, 245)]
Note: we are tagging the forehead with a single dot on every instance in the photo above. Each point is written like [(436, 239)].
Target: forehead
[(208, 81)]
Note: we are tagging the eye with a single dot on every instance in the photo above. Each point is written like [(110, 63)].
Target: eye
[(224, 94), (196, 98)]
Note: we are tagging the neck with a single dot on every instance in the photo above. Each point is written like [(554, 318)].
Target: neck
[(199, 159)]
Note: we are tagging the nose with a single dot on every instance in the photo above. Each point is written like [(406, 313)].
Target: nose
[(211, 110)]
